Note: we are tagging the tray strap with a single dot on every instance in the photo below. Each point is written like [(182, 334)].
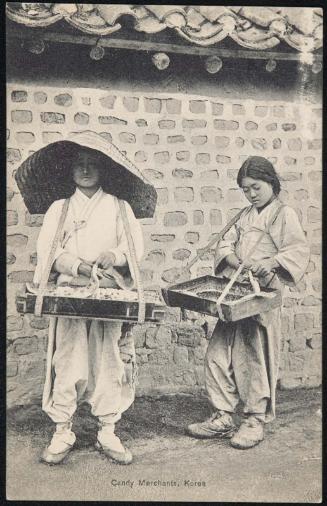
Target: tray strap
[(132, 252), (229, 285), (213, 241), (47, 269)]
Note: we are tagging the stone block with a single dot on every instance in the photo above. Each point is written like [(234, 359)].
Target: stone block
[(180, 355), (17, 241), (107, 136), (198, 106), (181, 254), (199, 140), (289, 160), (198, 217), (162, 237), (108, 101), (315, 341), (153, 105), (48, 137), (12, 217), (175, 219), (174, 139), (182, 173), (205, 256), (153, 174), (290, 176), (224, 124), (183, 156), (194, 123), (13, 155), (294, 144), (202, 158), (21, 276), (173, 106), (238, 109), (223, 159), (12, 368), (86, 100), (239, 142), (168, 124), (315, 144), (52, 117), (217, 109), (141, 122), (33, 220), (261, 110), (314, 214), (14, 323), (276, 143), (222, 141), (278, 111), (150, 139), (251, 125), (289, 382), (156, 257), (189, 335), (303, 321), (81, 118), (309, 160), (11, 259), (211, 194), (209, 175), (140, 156), (21, 116), (64, 99), (162, 196), (259, 143), (25, 137), (288, 127), (184, 194), (215, 217), (19, 96), (39, 322), (40, 97), (131, 103), (192, 237), (111, 120), (127, 137), (25, 345), (162, 157), (271, 127)]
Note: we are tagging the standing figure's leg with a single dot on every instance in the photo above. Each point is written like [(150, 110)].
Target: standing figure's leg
[(220, 384), (68, 383), (254, 359), (108, 391)]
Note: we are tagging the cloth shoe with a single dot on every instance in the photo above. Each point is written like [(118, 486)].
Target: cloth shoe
[(61, 444), (249, 434), (111, 445), (219, 425)]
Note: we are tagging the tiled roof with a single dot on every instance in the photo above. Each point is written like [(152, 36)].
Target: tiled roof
[(251, 27)]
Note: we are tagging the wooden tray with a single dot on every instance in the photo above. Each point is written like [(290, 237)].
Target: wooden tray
[(240, 303), (101, 309)]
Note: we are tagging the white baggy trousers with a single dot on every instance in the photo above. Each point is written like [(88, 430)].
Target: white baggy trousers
[(85, 364)]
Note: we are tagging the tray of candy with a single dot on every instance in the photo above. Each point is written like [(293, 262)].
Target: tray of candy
[(201, 295), (104, 304)]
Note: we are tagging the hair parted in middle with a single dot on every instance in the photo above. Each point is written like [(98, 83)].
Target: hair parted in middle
[(258, 167)]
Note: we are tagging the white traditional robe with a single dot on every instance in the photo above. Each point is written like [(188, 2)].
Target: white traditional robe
[(242, 358), (84, 359)]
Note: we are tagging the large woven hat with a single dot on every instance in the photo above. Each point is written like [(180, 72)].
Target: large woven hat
[(45, 176)]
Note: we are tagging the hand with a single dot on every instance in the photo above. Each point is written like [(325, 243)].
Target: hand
[(106, 260), (233, 261), (85, 269), (263, 267)]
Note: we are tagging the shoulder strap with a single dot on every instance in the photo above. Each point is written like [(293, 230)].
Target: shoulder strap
[(48, 265), (132, 252)]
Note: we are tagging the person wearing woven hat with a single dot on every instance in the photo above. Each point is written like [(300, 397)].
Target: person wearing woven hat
[(85, 361), (242, 358)]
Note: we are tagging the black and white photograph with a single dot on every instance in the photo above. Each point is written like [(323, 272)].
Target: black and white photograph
[(164, 235)]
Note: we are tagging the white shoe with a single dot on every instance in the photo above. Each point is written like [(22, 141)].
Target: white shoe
[(111, 445), (61, 443)]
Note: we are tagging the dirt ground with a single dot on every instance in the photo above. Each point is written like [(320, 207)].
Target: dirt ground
[(168, 465)]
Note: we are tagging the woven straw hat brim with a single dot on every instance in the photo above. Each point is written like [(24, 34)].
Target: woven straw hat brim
[(45, 177)]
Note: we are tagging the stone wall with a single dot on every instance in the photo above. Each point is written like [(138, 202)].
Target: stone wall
[(190, 148)]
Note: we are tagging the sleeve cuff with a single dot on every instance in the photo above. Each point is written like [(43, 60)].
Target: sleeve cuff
[(120, 258), (75, 267)]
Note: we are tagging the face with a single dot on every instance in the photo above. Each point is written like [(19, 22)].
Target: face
[(257, 192), (86, 172)]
